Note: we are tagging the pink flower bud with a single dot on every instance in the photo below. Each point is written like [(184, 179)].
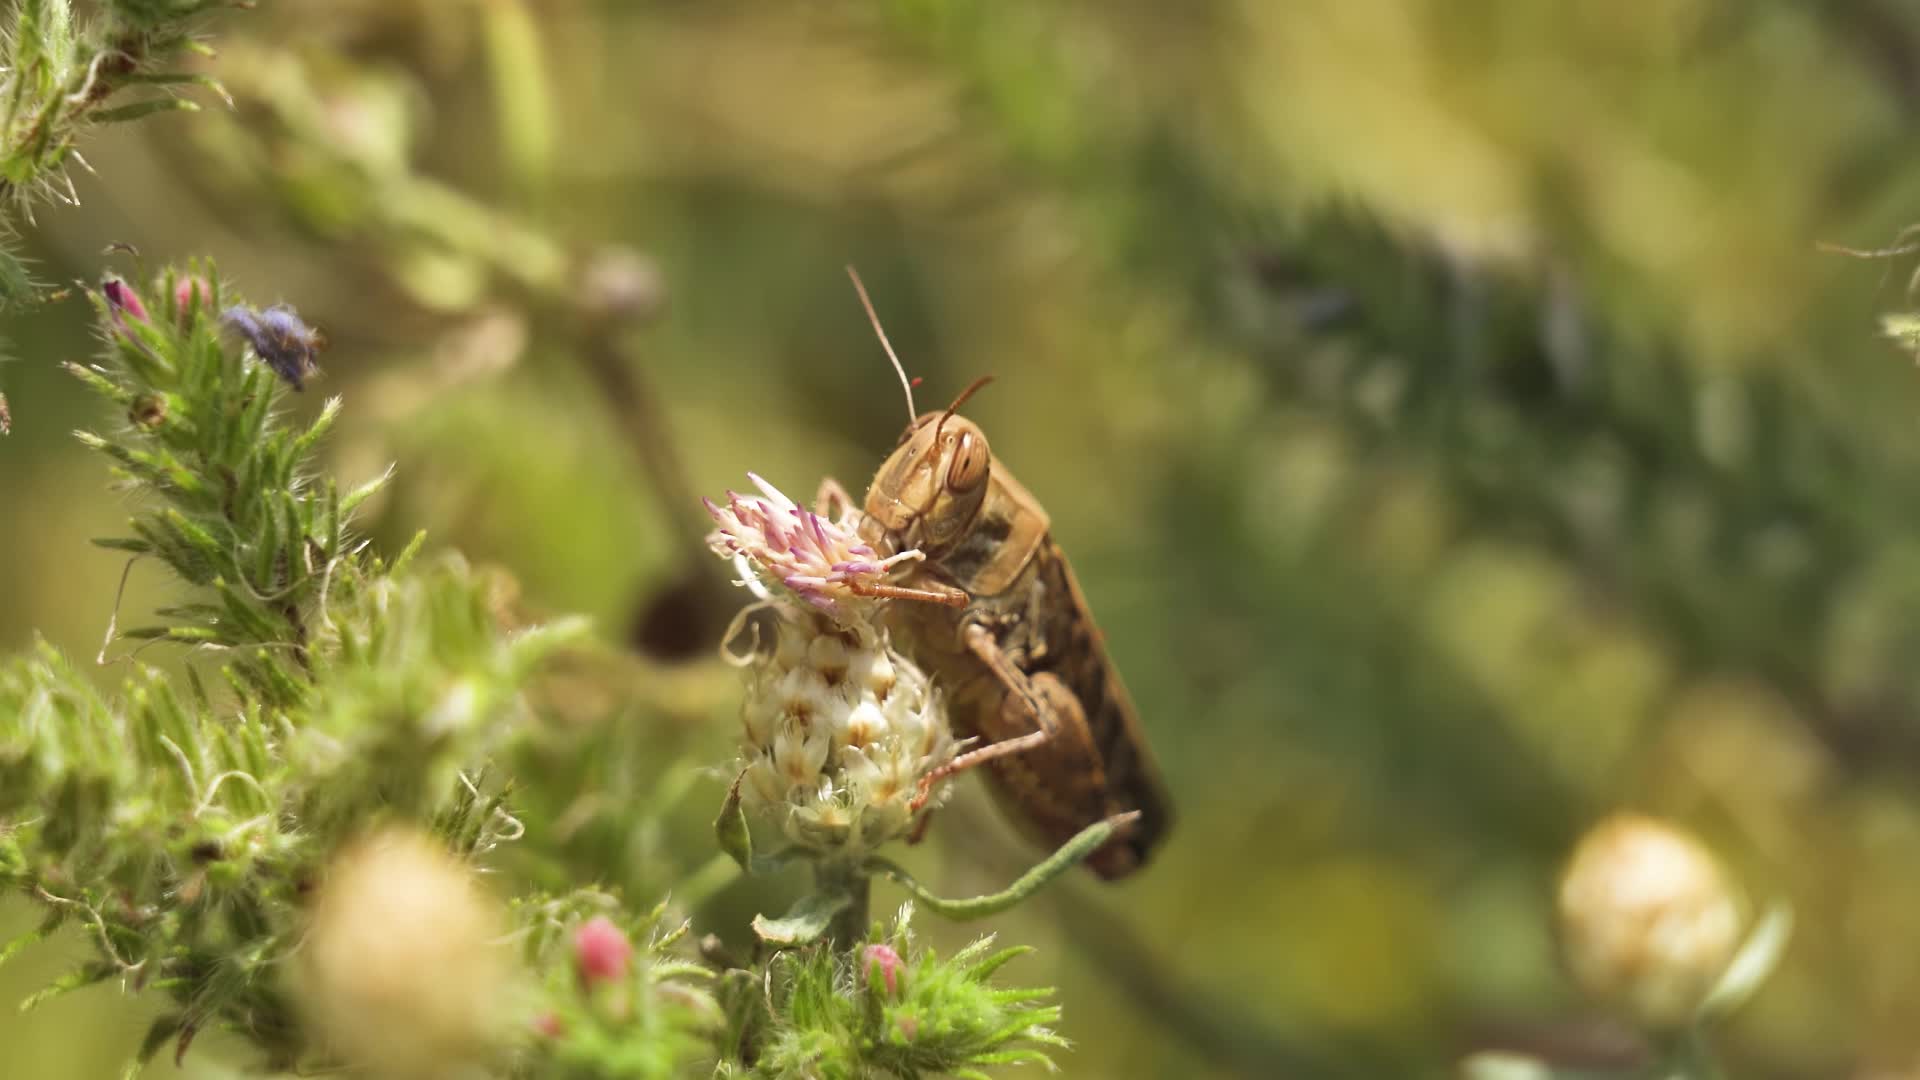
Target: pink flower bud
[(908, 1025), (601, 951), (189, 291), (888, 961), (549, 1025), (122, 299)]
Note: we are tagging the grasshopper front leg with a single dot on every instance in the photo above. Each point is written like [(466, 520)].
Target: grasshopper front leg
[(936, 594), (833, 500), (838, 507), (1042, 700)]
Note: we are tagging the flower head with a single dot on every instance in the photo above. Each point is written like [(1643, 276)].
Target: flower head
[(402, 971), (279, 338), (1647, 919), (821, 560), (837, 732)]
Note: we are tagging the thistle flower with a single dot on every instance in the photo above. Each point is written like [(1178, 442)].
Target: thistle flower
[(401, 970), (1647, 920), (820, 560), (837, 731), (838, 728)]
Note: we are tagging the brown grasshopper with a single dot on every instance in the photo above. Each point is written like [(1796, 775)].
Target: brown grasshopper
[(1003, 626)]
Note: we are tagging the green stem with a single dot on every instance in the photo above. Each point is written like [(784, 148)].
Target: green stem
[(1084, 843), (850, 924), (1691, 1057)]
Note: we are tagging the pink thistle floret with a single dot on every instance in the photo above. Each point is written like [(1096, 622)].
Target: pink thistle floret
[(820, 559), (600, 951), (887, 962)]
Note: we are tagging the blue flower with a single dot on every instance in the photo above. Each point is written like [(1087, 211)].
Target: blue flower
[(279, 338)]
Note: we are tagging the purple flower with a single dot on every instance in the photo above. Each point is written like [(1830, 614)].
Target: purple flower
[(818, 558), (279, 338)]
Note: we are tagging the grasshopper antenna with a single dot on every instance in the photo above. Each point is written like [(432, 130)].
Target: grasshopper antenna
[(959, 401), (905, 383)]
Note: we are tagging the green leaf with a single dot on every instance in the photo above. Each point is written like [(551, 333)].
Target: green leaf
[(161, 1032), (804, 924), (181, 78), (730, 828), (73, 980), (1757, 958), (141, 109), (364, 492)]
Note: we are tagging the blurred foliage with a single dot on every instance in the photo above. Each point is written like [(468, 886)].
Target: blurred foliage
[(1447, 407)]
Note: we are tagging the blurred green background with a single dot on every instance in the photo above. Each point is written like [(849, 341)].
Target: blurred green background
[(1451, 416)]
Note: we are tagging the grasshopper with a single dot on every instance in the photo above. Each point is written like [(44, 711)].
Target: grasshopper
[(997, 617)]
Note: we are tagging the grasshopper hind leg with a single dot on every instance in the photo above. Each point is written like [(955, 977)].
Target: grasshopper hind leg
[(1049, 711)]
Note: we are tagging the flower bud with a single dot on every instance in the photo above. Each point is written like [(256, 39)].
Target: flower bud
[(885, 961), (1647, 920), (403, 972), (122, 299), (189, 292), (908, 1027), (601, 952)]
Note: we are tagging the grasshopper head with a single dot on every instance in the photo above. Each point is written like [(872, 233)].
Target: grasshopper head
[(931, 487)]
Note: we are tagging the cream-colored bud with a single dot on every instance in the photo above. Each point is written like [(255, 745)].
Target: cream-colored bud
[(827, 654), (402, 972), (1647, 920), (864, 724), (875, 673)]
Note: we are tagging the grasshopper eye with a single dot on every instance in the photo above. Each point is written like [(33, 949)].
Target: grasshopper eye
[(971, 463)]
